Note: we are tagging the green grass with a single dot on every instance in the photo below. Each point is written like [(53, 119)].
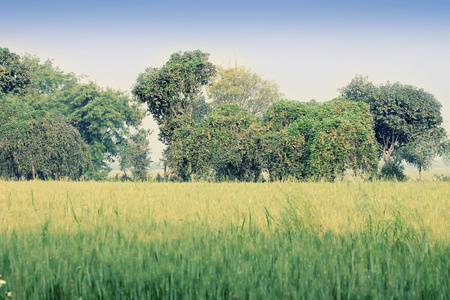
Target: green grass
[(66, 240)]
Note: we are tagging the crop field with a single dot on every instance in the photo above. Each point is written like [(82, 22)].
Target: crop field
[(114, 240)]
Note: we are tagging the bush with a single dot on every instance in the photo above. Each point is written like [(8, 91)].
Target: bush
[(441, 177), (393, 170)]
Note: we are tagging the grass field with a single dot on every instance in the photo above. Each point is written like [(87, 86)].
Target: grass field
[(114, 240), (429, 175)]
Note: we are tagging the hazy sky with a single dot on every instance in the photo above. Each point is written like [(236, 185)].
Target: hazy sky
[(310, 48)]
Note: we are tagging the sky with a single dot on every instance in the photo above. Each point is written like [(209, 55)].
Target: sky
[(310, 48)]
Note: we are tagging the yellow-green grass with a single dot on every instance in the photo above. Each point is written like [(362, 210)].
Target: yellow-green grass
[(429, 174), (225, 240)]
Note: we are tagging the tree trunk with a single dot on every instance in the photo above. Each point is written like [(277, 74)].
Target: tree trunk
[(33, 172)]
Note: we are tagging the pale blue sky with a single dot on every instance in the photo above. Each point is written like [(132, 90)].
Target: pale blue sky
[(310, 48)]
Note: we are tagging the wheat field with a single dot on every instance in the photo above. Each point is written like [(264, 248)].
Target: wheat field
[(115, 240)]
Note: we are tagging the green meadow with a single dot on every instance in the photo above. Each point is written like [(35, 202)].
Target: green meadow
[(114, 240)]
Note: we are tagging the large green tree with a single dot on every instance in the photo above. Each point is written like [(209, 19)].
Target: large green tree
[(103, 117), (402, 113), (341, 139), (245, 88), (283, 113), (203, 149), (286, 139), (14, 75), (37, 144), (173, 92), (320, 141)]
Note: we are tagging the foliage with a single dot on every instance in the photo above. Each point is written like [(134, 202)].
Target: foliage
[(11, 109), (173, 91), (247, 89), (245, 159), (46, 82), (135, 154), (359, 89), (39, 145), (393, 170), (286, 139), (321, 143), (103, 117), (442, 177), (200, 149), (401, 112), (341, 139), (421, 151), (283, 113), (444, 150), (14, 75), (286, 152)]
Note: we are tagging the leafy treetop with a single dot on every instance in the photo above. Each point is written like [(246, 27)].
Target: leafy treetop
[(402, 113), (172, 92), (14, 75), (247, 89)]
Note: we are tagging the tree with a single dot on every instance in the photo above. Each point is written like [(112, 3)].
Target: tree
[(324, 141), (247, 89), (47, 82), (36, 144), (285, 154), (203, 149), (14, 76), (359, 89), (288, 129), (320, 141), (245, 158), (401, 112), (341, 138), (173, 92), (45, 78), (135, 154), (103, 117), (422, 150)]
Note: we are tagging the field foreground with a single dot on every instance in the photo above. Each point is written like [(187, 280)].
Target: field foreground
[(66, 240)]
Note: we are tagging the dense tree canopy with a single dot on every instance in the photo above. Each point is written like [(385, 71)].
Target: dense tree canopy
[(246, 89), (103, 117), (341, 139), (14, 75), (54, 125), (286, 142), (36, 144), (199, 149), (321, 143), (404, 116), (173, 93)]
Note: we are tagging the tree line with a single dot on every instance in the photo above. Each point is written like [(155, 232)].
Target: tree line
[(247, 129), (53, 125), (218, 124)]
